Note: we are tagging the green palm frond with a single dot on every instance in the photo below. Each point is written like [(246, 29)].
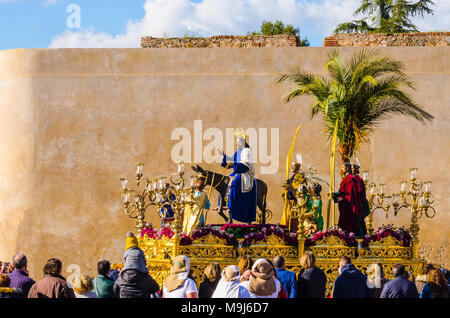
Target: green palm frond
[(359, 92)]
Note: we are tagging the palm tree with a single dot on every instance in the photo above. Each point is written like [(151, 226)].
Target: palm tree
[(357, 94)]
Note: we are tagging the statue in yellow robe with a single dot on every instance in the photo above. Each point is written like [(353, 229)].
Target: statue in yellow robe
[(193, 213)]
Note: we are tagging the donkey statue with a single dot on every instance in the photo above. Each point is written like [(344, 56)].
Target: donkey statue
[(220, 183)]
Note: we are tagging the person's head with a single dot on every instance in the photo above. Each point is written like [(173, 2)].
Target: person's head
[(307, 260), (200, 182), (278, 262), (437, 276), (240, 142), (398, 270), (230, 273), (181, 264), (53, 267), (347, 168), (82, 284), (103, 267), (355, 169), (438, 283), (295, 166), (317, 188), (245, 263), (374, 274), (262, 281), (212, 272), (4, 280), (427, 268), (131, 241), (344, 260), (20, 261)]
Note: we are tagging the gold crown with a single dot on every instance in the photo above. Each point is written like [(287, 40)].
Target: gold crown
[(240, 132)]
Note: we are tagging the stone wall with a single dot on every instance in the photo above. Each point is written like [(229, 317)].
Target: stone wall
[(73, 121), (282, 40), (383, 39)]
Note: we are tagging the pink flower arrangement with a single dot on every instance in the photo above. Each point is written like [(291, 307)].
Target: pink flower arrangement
[(198, 233), (268, 229), (400, 234), (165, 231), (349, 239)]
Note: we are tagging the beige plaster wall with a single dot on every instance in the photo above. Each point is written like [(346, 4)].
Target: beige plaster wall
[(73, 121)]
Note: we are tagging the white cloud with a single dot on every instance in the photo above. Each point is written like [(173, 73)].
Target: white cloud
[(175, 18)]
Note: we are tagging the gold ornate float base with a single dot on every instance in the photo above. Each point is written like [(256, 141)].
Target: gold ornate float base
[(160, 252)]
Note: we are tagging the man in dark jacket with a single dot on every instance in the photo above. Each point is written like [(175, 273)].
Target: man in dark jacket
[(287, 278), (19, 277), (399, 287), (132, 283), (351, 283)]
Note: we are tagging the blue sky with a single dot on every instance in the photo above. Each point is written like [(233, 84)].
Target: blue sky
[(121, 23)]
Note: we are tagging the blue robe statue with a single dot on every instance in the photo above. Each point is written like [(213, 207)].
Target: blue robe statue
[(242, 197), (166, 213)]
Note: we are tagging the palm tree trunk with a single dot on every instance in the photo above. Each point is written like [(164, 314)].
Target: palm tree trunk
[(344, 150)]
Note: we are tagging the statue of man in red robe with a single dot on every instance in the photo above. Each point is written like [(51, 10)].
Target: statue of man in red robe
[(351, 201)]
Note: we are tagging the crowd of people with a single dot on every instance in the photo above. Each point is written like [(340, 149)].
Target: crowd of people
[(262, 278)]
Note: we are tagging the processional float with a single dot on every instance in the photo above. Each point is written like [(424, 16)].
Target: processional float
[(225, 243)]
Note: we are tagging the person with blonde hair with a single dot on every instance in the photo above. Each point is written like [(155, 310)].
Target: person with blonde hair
[(83, 287), (211, 279), (376, 279), (179, 284), (311, 279)]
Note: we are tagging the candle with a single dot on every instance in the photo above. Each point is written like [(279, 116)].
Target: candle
[(413, 173), (428, 186), (139, 167), (403, 186), (181, 167), (124, 182), (388, 200)]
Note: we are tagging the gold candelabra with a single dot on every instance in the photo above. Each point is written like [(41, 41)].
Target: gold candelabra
[(417, 201), (158, 192), (377, 200)]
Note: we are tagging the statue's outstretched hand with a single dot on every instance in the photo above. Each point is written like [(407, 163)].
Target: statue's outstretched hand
[(220, 151)]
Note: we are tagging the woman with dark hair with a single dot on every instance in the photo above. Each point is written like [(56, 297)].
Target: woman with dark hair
[(53, 285), (436, 286), (211, 276)]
